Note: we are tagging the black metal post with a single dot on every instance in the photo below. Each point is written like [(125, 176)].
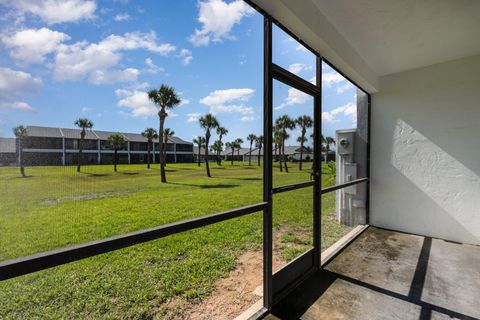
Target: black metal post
[(317, 167), (369, 117), (267, 163)]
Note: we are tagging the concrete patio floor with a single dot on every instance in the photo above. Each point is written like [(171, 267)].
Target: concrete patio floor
[(391, 275)]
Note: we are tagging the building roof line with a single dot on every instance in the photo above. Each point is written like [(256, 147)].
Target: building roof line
[(73, 133), (126, 138)]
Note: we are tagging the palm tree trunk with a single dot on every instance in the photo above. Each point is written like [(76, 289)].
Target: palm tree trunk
[(148, 154), (259, 151), (207, 138), (115, 161), (80, 150), (198, 160), (233, 154), (219, 159), (165, 151), (301, 154), (20, 153), (280, 156), (160, 146), (284, 157), (250, 155)]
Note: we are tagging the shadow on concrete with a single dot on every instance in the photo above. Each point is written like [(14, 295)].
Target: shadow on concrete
[(347, 289)]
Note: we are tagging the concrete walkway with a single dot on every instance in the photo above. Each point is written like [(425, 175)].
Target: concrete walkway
[(391, 275)]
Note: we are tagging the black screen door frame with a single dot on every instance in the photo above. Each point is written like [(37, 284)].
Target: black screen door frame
[(278, 284)]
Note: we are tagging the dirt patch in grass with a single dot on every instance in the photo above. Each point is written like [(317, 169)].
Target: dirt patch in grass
[(243, 286), (232, 295)]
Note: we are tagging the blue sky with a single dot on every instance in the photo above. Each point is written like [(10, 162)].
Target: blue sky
[(61, 60)]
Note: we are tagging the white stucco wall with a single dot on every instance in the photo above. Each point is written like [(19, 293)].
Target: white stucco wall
[(425, 151)]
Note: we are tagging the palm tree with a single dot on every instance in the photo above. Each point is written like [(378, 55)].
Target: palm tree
[(301, 140), (83, 124), (165, 98), (231, 145), (167, 133), (116, 141), (21, 134), (217, 147), (284, 123), (252, 138), (208, 122), (259, 146), (305, 122), (149, 134), (238, 145), (200, 142), (277, 140), (328, 141), (221, 131)]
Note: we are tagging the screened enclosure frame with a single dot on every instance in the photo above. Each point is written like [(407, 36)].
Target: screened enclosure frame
[(275, 285)]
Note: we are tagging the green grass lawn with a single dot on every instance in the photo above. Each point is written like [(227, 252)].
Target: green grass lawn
[(55, 207)]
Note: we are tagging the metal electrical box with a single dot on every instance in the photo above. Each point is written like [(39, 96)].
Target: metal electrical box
[(350, 175), (345, 142), (349, 202)]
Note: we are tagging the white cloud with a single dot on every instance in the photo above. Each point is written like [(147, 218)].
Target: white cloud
[(136, 102), (55, 11), (219, 97), (193, 117), (152, 67), (344, 88), (296, 68), (13, 84), (186, 56), (113, 76), (122, 17), (32, 45), (294, 97), (331, 78), (218, 18), (329, 117), (85, 110), (81, 59), (141, 86), (18, 105), (229, 101), (349, 110), (184, 102), (247, 118)]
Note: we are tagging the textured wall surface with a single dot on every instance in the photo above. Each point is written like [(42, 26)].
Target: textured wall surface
[(425, 152)]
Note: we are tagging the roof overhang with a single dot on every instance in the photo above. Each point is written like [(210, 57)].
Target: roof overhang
[(367, 39)]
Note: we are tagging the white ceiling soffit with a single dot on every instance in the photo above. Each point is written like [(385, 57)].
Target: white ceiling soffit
[(305, 20), (398, 35), (368, 39)]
